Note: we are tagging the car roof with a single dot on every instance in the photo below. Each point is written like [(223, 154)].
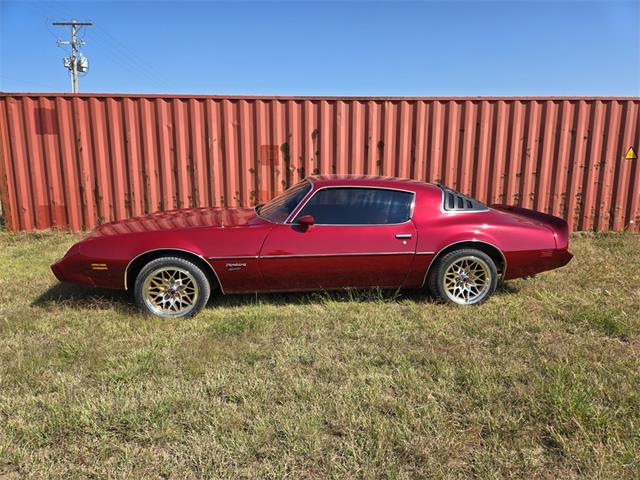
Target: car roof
[(335, 180)]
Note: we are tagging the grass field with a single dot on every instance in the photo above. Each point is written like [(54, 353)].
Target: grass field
[(542, 381)]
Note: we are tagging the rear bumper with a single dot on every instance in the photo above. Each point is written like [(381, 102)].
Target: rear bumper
[(562, 257), (527, 263)]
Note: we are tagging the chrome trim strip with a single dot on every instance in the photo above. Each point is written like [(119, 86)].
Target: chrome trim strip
[(355, 254), (425, 253), (504, 270), (463, 211), (232, 257), (306, 200), (175, 250)]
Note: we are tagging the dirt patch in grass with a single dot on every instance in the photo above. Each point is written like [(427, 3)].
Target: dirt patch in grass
[(542, 381)]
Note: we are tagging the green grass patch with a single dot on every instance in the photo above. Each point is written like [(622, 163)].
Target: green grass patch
[(539, 382)]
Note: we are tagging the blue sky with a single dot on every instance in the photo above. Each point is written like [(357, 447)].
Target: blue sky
[(330, 48)]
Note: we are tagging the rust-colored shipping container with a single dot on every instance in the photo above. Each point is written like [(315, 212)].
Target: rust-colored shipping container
[(73, 161)]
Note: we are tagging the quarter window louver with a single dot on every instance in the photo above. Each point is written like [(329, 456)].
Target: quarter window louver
[(456, 202)]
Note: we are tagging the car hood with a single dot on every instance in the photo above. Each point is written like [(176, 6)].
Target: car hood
[(180, 219)]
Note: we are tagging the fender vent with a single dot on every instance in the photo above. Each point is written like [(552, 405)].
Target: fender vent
[(453, 201)]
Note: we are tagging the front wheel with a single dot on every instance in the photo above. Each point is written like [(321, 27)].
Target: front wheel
[(171, 287), (464, 277)]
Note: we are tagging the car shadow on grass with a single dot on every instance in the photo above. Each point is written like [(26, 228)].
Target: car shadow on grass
[(81, 297), (506, 289), (302, 298), (78, 296)]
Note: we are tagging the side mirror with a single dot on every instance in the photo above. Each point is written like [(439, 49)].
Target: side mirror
[(306, 221)]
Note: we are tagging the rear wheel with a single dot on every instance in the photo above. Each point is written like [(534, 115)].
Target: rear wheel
[(463, 277), (171, 287)]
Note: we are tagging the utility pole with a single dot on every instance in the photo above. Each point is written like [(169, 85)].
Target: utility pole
[(76, 62)]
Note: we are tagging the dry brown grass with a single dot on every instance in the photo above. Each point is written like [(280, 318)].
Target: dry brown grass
[(542, 381)]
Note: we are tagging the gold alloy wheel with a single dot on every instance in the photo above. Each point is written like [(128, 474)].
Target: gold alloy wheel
[(467, 280), (170, 291)]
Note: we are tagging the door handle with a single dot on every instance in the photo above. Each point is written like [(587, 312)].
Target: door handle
[(403, 235)]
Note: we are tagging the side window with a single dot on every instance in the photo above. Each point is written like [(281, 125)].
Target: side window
[(359, 206)]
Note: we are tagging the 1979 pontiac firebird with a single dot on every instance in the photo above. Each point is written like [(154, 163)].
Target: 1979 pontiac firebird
[(326, 232)]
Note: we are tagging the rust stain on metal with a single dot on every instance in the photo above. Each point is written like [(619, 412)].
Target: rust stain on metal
[(268, 154), (74, 161)]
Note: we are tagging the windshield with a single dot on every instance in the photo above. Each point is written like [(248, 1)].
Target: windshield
[(279, 209)]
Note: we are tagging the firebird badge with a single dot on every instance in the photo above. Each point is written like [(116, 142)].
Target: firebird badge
[(232, 267)]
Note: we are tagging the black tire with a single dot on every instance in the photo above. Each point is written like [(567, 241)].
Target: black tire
[(191, 284), (436, 279)]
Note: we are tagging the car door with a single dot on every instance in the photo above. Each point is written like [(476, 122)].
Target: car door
[(361, 237)]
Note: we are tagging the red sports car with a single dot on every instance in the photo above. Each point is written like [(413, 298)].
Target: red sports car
[(326, 232)]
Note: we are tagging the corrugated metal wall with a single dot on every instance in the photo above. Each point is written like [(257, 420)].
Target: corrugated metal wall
[(76, 161)]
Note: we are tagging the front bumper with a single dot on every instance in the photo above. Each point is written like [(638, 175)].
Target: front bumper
[(57, 271), (73, 270)]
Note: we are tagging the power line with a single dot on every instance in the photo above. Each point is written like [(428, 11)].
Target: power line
[(126, 60), (157, 75), (23, 81)]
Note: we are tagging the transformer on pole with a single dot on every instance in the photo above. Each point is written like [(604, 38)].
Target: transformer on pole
[(76, 63)]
